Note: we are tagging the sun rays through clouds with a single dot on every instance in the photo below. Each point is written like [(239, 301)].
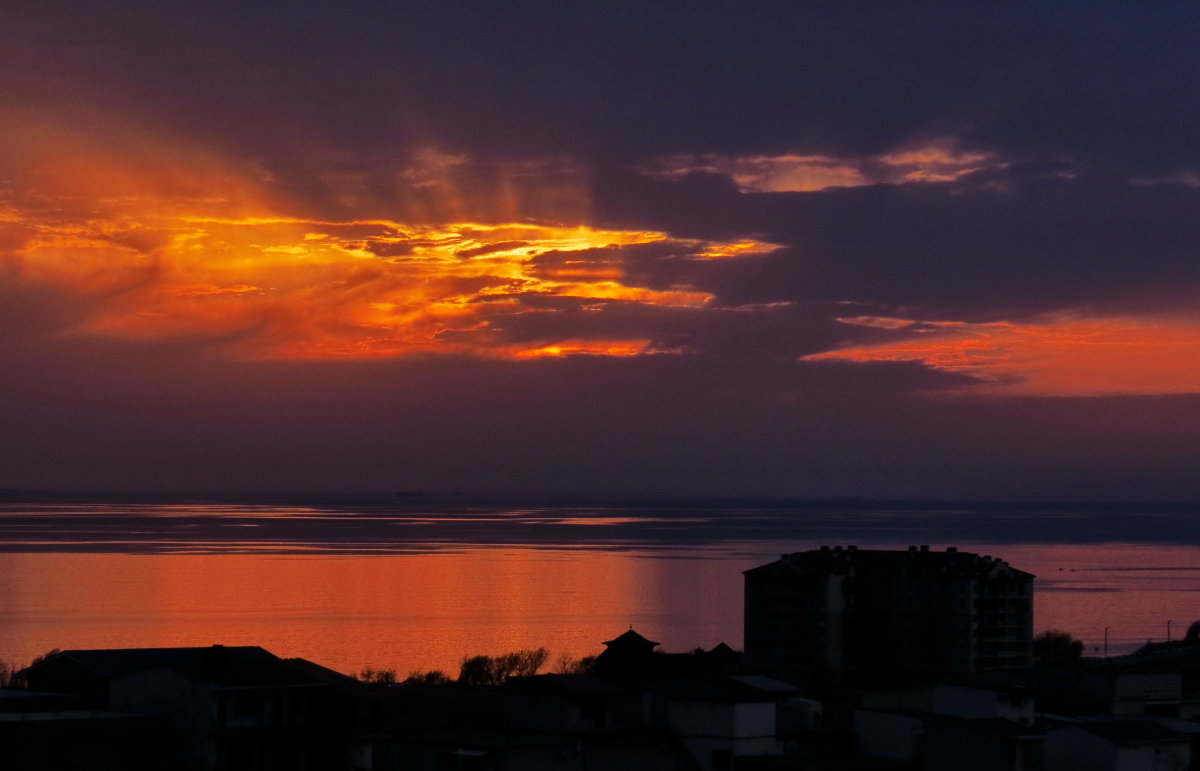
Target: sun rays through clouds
[(199, 252)]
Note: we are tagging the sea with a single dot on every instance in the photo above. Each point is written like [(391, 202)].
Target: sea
[(414, 584)]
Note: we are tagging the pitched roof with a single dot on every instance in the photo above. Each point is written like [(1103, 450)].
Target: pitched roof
[(630, 639), (1132, 732), (230, 667), (733, 689)]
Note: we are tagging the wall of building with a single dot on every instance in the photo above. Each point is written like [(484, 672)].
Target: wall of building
[(967, 702), (708, 729), (188, 705), (887, 735), (848, 615)]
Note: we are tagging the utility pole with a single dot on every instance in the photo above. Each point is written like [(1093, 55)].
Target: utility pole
[(1105, 642)]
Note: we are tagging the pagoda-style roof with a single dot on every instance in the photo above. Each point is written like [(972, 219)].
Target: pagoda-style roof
[(630, 640)]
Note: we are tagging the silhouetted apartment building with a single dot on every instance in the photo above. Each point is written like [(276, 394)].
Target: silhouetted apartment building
[(848, 615)]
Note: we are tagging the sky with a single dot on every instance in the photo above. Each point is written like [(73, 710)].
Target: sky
[(754, 249)]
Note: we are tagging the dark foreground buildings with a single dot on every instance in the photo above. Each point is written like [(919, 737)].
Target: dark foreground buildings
[(202, 709), (843, 616), (243, 709)]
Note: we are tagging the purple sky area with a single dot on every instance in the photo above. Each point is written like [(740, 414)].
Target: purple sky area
[(620, 249)]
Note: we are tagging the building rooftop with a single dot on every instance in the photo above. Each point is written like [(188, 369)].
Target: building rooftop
[(734, 689), (630, 639), (1132, 732), (228, 667), (838, 560)]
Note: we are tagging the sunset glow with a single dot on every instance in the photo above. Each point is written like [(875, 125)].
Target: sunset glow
[(703, 251), (215, 260), (1059, 357)]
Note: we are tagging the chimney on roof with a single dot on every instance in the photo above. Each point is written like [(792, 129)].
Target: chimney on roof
[(216, 655)]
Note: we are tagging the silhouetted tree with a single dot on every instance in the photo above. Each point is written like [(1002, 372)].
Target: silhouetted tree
[(478, 670), (494, 670), (377, 676), (44, 656), (8, 675), (523, 663), (1055, 646), (432, 677), (8, 672), (571, 666)]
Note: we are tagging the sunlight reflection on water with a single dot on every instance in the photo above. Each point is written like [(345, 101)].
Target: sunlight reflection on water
[(349, 589)]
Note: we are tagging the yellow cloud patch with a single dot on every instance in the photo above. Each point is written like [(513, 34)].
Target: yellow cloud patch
[(212, 256)]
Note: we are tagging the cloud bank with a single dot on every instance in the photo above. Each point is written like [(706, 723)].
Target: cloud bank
[(852, 250)]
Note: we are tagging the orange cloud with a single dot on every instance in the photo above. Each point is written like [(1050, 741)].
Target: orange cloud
[(1064, 356), (166, 249)]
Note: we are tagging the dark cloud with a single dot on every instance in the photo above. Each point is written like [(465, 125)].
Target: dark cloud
[(623, 82), (428, 113), (1022, 241)]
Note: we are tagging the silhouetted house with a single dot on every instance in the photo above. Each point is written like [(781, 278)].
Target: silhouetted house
[(966, 698), (856, 615), (942, 742), (544, 722), (1189, 646), (575, 703), (1118, 686), (1117, 745), (225, 708), (627, 660), (974, 700), (720, 660), (1181, 656), (40, 731), (630, 661), (981, 744), (720, 718), (891, 734)]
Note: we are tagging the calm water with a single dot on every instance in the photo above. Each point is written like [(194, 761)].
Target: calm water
[(418, 585)]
